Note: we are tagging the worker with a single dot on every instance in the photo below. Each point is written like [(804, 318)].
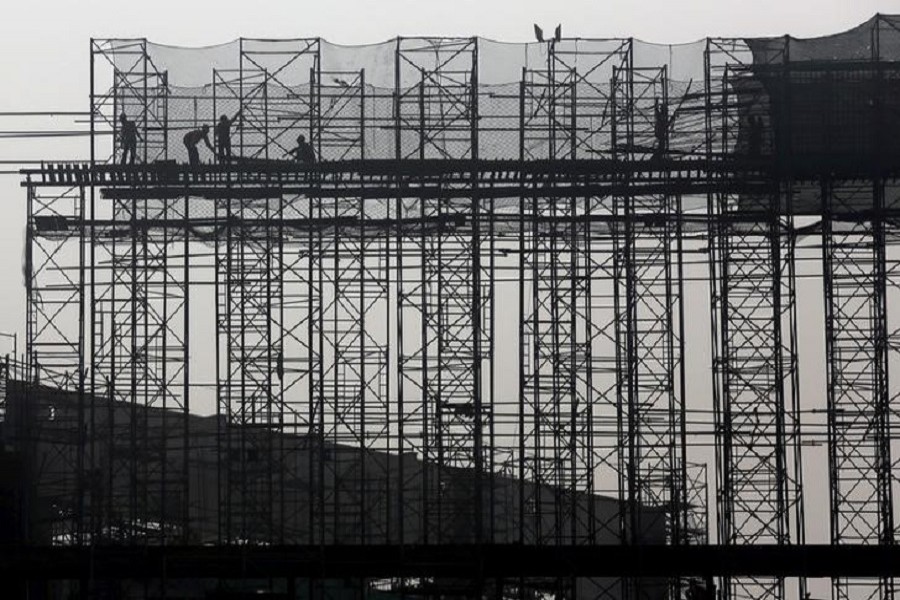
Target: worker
[(660, 130), (194, 137), (304, 152), (223, 136), (128, 139)]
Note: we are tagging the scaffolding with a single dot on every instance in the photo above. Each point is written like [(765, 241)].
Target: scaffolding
[(468, 321)]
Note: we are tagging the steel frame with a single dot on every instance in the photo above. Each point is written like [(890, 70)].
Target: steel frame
[(854, 265), (756, 385), (369, 322)]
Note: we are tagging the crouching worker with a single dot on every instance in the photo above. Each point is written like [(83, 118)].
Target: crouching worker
[(304, 152)]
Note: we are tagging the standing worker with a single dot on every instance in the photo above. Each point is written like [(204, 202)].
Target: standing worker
[(128, 139), (192, 138), (223, 136), (304, 152), (660, 130)]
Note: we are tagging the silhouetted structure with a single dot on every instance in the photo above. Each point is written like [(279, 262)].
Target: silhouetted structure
[(358, 298)]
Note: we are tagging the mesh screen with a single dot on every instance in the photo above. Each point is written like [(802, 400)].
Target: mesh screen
[(349, 99), (796, 101)]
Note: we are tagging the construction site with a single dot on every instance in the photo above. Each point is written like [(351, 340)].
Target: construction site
[(581, 319)]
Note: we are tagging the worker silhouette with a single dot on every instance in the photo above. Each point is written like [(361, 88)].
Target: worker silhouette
[(304, 152), (192, 138), (660, 130), (223, 136), (127, 139)]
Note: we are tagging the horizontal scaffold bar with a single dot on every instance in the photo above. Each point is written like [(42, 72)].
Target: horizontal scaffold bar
[(462, 561), (465, 171)]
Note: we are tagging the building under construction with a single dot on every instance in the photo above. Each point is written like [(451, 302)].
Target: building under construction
[(516, 317)]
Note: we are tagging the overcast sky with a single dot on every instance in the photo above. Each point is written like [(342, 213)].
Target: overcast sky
[(44, 43)]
